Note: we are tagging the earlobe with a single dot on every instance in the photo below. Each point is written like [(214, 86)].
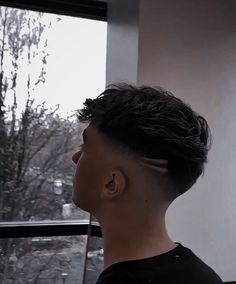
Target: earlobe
[(114, 185)]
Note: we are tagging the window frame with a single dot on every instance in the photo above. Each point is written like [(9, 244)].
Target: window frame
[(30, 229), (95, 10)]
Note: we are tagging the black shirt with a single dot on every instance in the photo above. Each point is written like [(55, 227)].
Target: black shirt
[(178, 266)]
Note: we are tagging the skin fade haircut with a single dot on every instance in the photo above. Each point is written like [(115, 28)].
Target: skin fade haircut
[(157, 127)]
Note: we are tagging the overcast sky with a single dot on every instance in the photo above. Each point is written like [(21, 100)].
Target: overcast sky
[(75, 68)]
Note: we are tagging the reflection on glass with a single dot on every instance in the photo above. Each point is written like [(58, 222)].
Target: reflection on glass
[(94, 262), (43, 260)]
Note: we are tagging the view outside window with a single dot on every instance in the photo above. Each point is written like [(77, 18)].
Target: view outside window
[(43, 260), (49, 64)]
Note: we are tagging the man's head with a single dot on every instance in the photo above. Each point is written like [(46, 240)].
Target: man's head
[(139, 134)]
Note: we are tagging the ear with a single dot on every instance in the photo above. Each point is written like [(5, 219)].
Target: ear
[(115, 185)]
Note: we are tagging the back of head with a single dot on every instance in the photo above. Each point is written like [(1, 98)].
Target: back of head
[(153, 123)]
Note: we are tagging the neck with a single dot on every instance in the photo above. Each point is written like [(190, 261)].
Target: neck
[(134, 238)]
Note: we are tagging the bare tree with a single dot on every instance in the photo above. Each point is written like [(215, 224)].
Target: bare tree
[(36, 142)]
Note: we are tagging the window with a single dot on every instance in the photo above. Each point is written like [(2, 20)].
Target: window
[(49, 64)]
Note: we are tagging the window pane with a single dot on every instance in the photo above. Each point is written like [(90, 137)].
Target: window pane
[(94, 265), (49, 65), (42, 260)]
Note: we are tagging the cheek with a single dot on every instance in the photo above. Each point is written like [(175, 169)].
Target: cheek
[(85, 184), (79, 176), (87, 172)]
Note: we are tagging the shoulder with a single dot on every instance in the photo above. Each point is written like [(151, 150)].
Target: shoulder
[(117, 277), (198, 269), (180, 265)]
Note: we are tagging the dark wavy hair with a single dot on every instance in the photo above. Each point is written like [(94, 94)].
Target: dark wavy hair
[(153, 123)]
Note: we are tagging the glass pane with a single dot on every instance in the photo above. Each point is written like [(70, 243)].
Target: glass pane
[(49, 65), (94, 264), (42, 260)]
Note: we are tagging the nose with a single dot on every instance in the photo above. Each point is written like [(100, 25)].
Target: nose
[(76, 157)]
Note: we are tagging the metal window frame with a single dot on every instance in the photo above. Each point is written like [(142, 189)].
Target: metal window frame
[(96, 10), (49, 228), (89, 9)]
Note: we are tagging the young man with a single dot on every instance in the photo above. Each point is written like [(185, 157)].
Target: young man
[(143, 148)]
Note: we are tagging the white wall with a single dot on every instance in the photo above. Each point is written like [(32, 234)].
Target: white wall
[(189, 47), (122, 41)]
